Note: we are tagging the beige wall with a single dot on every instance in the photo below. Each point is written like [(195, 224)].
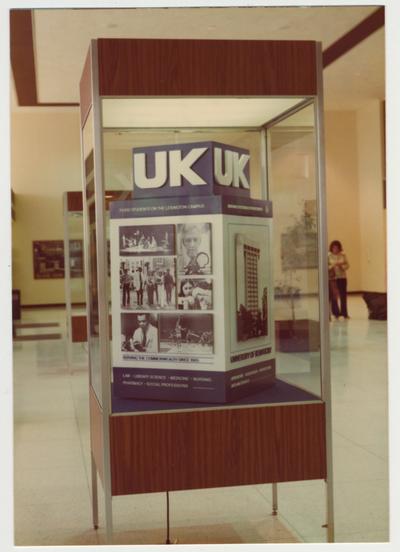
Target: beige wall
[(353, 143), (45, 162), (372, 212), (342, 188)]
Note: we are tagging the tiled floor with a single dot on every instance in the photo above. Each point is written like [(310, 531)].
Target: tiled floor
[(52, 465)]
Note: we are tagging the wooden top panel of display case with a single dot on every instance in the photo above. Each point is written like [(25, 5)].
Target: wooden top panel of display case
[(85, 89), (167, 67)]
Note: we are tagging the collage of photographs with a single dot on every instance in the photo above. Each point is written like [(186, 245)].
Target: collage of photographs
[(166, 271)]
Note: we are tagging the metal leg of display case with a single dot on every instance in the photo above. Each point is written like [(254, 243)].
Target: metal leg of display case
[(108, 516), (330, 537), (107, 472), (274, 499), (95, 504), (95, 499), (168, 539), (109, 524)]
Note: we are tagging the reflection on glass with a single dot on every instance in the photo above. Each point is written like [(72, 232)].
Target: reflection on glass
[(293, 192), (93, 307)]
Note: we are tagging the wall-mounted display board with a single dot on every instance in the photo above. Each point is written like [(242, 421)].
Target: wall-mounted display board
[(48, 259), (202, 365)]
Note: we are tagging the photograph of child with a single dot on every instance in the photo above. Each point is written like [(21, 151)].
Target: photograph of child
[(195, 294)]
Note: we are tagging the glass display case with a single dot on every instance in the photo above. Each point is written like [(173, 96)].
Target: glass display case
[(75, 300), (233, 147)]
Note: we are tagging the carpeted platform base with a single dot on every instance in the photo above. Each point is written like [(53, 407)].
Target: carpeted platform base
[(279, 392)]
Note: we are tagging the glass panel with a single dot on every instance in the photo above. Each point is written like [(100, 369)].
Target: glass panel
[(245, 283), (293, 191), (75, 288), (93, 307), (76, 268), (288, 154)]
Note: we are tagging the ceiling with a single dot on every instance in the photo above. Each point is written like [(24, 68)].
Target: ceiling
[(61, 38)]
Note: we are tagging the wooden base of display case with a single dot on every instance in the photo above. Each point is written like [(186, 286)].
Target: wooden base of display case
[(167, 451), (295, 336), (79, 329)]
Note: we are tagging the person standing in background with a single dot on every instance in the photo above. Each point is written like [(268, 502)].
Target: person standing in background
[(338, 265)]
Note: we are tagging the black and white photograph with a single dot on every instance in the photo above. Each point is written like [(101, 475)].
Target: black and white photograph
[(147, 240), (186, 333), (194, 249), (148, 283), (139, 332), (251, 295), (195, 293)]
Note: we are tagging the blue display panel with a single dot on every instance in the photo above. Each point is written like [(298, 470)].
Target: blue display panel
[(191, 288)]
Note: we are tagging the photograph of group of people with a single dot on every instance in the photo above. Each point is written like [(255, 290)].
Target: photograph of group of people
[(166, 268), (147, 240), (148, 283), (167, 333)]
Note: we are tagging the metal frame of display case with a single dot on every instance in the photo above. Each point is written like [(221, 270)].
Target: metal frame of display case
[(125, 447)]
